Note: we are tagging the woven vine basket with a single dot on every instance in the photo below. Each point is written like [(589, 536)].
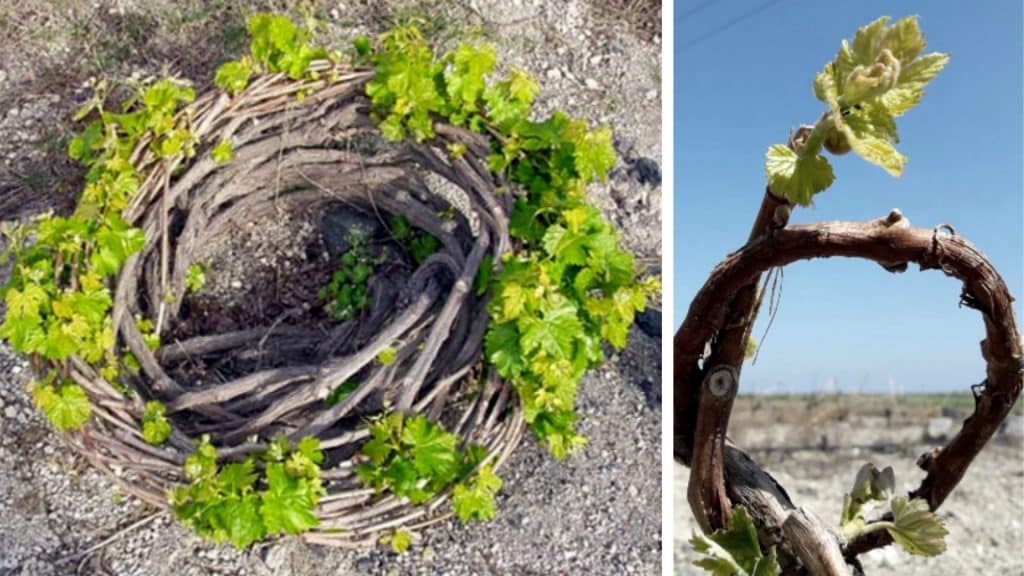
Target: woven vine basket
[(307, 146)]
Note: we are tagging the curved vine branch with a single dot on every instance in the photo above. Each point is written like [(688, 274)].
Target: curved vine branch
[(891, 242)]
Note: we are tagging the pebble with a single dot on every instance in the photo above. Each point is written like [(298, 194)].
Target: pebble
[(553, 73), (591, 83)]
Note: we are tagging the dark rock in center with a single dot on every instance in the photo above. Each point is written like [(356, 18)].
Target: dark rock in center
[(338, 225)]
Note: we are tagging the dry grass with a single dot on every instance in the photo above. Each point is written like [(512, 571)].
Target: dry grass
[(643, 16)]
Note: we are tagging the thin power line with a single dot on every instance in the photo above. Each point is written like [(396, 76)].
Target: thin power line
[(729, 24), (695, 10)]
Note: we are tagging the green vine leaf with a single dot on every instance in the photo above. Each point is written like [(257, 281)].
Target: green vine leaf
[(876, 150), (735, 550), (465, 80), (222, 152), (474, 499), (195, 277), (387, 356), (870, 486), (916, 528), (66, 407), (797, 178), (287, 505), (918, 73), (415, 458), (432, 449), (594, 154), (155, 427), (236, 503), (233, 77), (400, 542), (281, 46)]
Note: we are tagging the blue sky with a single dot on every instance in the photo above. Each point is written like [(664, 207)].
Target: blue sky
[(743, 74)]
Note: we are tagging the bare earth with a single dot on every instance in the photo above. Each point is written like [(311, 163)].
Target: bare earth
[(596, 513)]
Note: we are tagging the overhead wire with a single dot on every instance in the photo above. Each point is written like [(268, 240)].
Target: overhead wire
[(696, 9), (728, 24)]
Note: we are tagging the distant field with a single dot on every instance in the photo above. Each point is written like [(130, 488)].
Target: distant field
[(870, 403)]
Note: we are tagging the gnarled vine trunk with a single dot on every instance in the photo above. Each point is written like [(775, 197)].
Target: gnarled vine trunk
[(721, 315)]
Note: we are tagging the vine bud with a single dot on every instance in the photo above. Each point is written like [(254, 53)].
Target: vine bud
[(836, 142), (866, 82), (798, 138)]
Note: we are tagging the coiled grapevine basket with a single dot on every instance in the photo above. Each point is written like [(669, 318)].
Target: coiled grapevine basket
[(306, 145)]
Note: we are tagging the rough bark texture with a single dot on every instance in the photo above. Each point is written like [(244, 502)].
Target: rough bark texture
[(814, 544)]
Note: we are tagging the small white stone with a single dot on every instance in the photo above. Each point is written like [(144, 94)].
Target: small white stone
[(591, 83), (595, 60), (651, 94), (554, 73), (11, 412), (236, 284)]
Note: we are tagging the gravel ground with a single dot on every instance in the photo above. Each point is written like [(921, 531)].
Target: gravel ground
[(984, 515), (596, 513)]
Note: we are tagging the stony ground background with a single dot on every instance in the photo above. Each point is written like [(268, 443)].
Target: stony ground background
[(597, 513), (814, 448)]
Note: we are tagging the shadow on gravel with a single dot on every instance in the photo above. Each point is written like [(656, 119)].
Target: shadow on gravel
[(184, 38)]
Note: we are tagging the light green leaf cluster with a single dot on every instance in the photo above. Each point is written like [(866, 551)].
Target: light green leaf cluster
[(400, 541), (420, 243), (569, 287), (222, 152), (276, 45), (474, 499), (870, 486), (155, 427), (405, 89), (66, 405), (874, 79), (235, 503), (233, 76), (417, 459), (914, 526), (195, 277), (147, 330), (387, 356), (346, 294), (735, 550), (281, 46), (58, 294), (797, 177)]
